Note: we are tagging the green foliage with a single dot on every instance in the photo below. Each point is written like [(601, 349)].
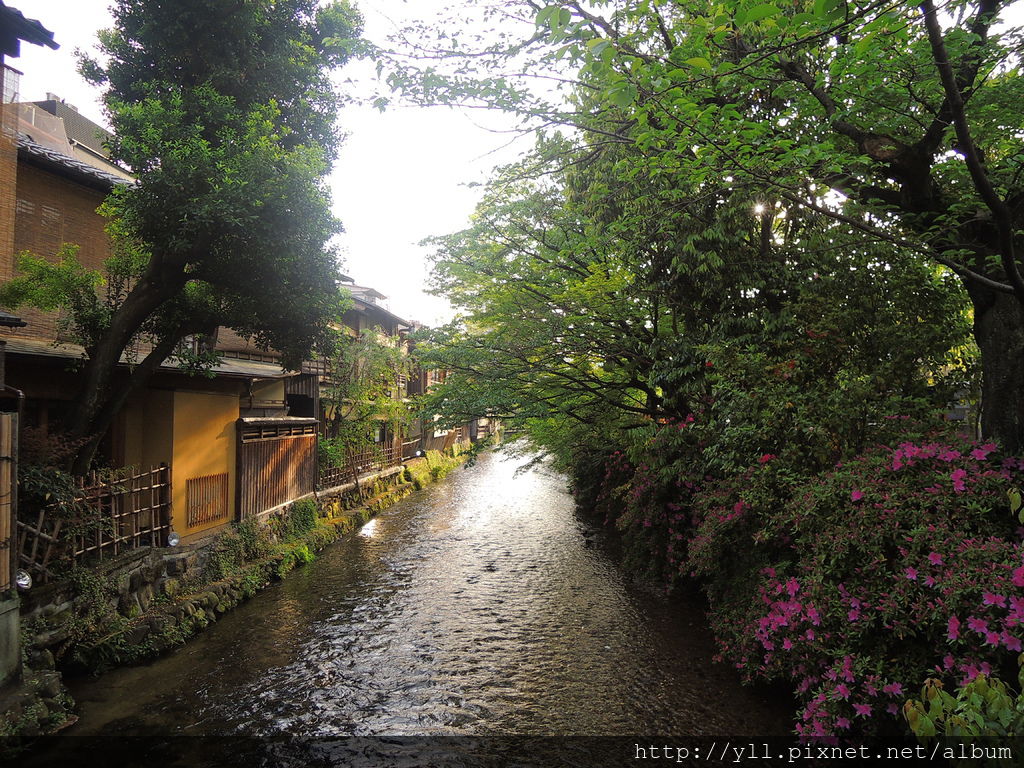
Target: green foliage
[(64, 284), (254, 538), (95, 615), (983, 712), (227, 556), (361, 392), (839, 126), (301, 517), (229, 223), (294, 557)]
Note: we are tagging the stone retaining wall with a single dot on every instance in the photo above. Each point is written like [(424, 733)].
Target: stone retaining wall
[(144, 603)]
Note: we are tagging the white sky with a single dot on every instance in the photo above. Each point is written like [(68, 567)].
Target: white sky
[(401, 175)]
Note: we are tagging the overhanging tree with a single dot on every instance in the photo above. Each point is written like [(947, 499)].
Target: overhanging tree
[(909, 113), (901, 122), (226, 114), (598, 301)]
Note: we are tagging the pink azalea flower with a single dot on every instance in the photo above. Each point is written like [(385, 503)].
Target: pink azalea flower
[(862, 709), (1018, 577), (1016, 610), (843, 723), (953, 628), (958, 476), (977, 625), (842, 691), (856, 496), (935, 558), (893, 689), (911, 573), (1012, 643), (989, 598)]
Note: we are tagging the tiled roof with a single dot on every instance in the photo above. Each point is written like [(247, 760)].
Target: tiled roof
[(364, 305), (10, 321), (227, 367), (76, 169), (14, 27), (79, 128)]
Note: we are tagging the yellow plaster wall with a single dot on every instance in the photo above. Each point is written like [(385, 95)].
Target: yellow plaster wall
[(148, 429), (204, 444)]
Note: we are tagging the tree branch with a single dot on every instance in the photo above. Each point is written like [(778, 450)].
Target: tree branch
[(982, 183)]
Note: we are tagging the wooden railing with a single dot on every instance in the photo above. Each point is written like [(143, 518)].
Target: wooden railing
[(362, 463), (121, 514), (410, 448)]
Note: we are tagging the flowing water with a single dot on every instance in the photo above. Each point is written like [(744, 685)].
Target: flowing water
[(479, 622)]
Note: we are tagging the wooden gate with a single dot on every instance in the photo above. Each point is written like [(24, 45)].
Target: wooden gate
[(276, 464)]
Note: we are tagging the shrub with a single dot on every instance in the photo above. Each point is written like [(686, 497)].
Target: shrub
[(983, 712), (857, 580), (301, 517)]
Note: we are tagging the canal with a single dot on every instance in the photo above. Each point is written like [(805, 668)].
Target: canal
[(479, 622)]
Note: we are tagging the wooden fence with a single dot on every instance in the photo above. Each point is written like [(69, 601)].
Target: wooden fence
[(8, 436), (364, 462), (122, 513), (276, 464)]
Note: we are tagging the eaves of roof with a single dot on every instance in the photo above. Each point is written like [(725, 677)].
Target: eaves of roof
[(14, 27), (52, 160), (228, 368), (10, 321), (369, 305)]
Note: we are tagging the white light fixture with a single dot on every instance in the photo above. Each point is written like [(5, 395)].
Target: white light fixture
[(173, 539), (23, 579)]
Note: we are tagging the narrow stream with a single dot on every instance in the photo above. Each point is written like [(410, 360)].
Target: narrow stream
[(479, 622)]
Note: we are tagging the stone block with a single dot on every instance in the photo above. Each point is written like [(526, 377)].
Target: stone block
[(50, 684), (40, 658), (145, 596)]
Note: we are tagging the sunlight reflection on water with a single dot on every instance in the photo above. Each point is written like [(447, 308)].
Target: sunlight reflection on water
[(483, 605)]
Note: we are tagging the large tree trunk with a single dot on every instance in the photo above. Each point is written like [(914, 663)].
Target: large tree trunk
[(118, 393), (97, 385), (999, 332)]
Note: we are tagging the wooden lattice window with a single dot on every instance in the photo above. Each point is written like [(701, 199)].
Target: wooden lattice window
[(206, 499)]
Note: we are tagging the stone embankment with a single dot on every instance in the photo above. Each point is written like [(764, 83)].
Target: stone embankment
[(136, 607)]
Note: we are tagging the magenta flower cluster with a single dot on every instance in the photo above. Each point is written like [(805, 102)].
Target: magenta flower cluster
[(852, 584)]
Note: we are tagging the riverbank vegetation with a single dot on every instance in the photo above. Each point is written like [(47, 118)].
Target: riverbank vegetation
[(105, 628), (738, 302)]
